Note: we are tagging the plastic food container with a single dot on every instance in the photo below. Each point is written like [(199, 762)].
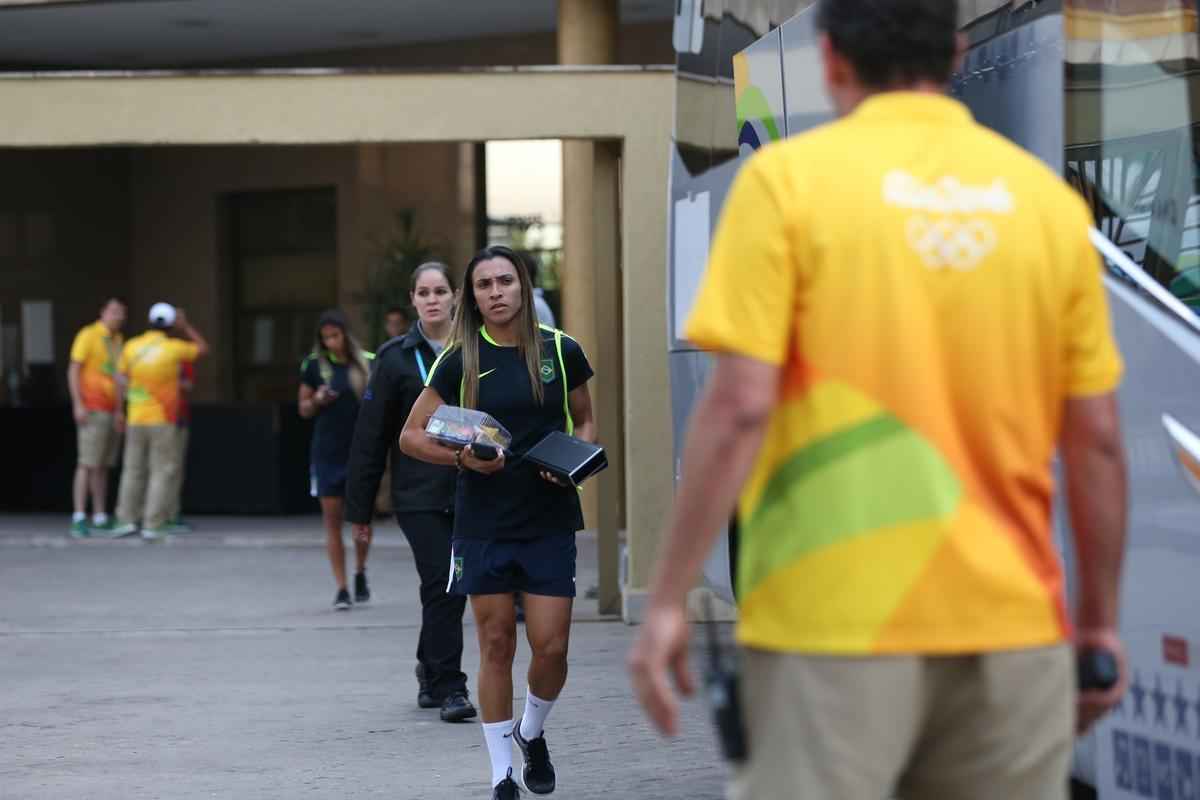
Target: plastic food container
[(458, 427)]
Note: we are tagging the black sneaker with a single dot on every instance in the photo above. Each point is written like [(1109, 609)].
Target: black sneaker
[(342, 601), (361, 593), (457, 708), (506, 789), (539, 772), (425, 698)]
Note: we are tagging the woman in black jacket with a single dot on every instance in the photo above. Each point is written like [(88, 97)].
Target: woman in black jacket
[(422, 494)]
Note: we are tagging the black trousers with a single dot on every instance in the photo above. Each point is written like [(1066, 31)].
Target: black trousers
[(440, 647)]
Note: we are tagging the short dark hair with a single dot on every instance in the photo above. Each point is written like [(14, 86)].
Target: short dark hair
[(893, 42), (401, 310), (114, 298)]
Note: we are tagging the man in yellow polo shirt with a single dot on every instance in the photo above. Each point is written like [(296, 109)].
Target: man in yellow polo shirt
[(99, 419), (150, 364), (908, 317)]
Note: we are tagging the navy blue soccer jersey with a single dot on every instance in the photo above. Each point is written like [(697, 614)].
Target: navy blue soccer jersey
[(515, 503)]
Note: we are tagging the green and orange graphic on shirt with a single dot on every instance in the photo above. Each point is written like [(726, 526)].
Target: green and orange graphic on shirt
[(96, 349), (929, 304), (151, 365)]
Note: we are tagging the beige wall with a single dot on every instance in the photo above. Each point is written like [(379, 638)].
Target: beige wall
[(435, 180), (646, 43), (177, 246), (80, 224), (64, 230)]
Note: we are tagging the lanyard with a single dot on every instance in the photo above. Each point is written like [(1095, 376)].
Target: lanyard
[(421, 365)]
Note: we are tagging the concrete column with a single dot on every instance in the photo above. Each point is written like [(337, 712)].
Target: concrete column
[(608, 392), (649, 482), (587, 31), (587, 34), (579, 265)]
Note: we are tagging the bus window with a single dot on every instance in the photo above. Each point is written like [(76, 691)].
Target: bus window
[(1132, 132)]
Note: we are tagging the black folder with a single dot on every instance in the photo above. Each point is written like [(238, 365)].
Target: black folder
[(570, 460)]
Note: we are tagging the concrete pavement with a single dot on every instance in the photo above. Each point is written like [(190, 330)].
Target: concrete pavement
[(214, 667)]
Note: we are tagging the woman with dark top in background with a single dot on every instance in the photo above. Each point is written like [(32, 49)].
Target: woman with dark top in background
[(422, 494), (514, 527), (332, 380)]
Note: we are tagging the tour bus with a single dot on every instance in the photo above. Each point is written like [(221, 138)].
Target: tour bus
[(1107, 92)]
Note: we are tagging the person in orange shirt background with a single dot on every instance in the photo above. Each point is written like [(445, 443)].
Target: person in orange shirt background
[(150, 366), (99, 418)]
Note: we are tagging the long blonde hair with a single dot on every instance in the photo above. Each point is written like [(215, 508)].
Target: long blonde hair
[(469, 319)]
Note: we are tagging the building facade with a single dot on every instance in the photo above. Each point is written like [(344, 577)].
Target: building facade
[(249, 165)]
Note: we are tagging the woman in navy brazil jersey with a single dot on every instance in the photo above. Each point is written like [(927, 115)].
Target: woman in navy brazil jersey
[(332, 380), (514, 527)]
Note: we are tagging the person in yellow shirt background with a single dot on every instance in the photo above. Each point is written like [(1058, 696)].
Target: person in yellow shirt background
[(99, 418), (907, 318), (150, 368)]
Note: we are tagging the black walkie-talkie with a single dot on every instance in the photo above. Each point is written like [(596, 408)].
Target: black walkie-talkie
[(721, 685), (1097, 670)]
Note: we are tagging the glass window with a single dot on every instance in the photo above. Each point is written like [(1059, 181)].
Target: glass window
[(284, 251), (1132, 151)]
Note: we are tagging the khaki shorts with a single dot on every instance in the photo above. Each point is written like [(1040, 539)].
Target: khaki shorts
[(995, 726), (98, 440)]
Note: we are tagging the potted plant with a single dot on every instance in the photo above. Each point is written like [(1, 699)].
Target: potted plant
[(389, 271)]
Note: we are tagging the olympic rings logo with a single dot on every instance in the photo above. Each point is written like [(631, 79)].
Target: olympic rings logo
[(948, 243)]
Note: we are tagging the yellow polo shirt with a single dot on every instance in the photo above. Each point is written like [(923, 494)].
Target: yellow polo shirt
[(929, 292), (151, 363), (96, 349)]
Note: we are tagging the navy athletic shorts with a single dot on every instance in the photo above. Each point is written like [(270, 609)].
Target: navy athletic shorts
[(545, 566), (327, 480)]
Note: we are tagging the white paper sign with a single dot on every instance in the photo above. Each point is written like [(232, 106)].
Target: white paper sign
[(691, 254), (37, 331), (264, 340)]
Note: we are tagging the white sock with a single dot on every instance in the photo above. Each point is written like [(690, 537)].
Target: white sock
[(100, 519), (499, 744), (534, 718), (79, 516)]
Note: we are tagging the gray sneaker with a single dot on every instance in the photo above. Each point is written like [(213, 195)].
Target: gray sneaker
[(162, 534), (123, 529)]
